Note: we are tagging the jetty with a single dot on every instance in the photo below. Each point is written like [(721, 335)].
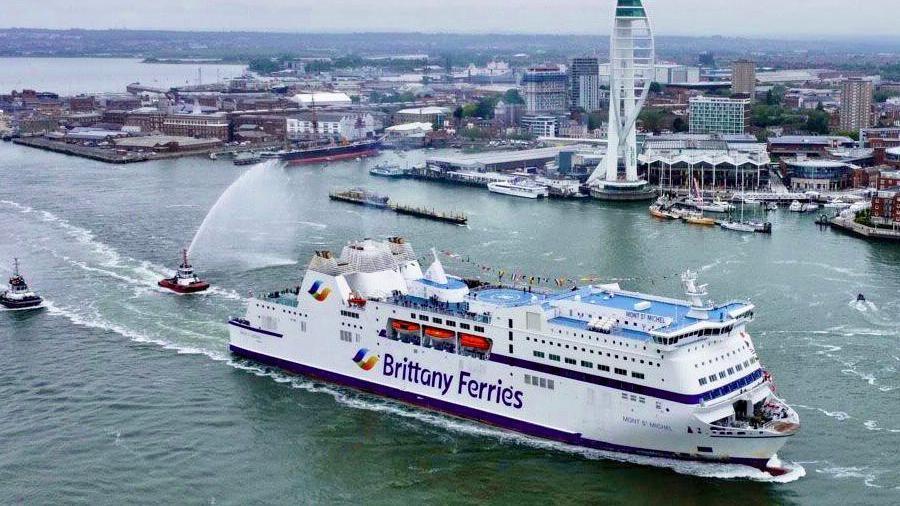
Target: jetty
[(880, 234), (363, 197)]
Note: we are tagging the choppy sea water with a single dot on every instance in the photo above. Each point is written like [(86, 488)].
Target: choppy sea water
[(121, 392)]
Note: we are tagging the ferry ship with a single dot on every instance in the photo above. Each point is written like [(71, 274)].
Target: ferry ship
[(595, 366), (519, 188)]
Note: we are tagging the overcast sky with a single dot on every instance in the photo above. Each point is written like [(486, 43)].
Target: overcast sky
[(785, 18)]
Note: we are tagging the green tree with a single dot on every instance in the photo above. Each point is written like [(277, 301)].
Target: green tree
[(817, 121), (263, 65), (655, 87), (679, 124), (652, 119), (512, 97)]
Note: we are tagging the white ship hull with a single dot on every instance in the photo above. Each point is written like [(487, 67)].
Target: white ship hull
[(354, 345), (518, 191)]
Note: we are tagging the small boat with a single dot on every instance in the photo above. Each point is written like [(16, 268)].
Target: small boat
[(475, 342), (716, 206), (658, 212), (762, 227), (439, 333), (698, 219), (213, 156), (772, 206), (387, 171), (246, 159), (837, 204), (185, 280), (737, 226), (402, 326), (860, 298), (810, 207), (19, 297), (796, 207)]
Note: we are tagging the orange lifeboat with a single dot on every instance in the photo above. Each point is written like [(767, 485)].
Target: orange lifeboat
[(476, 342), (439, 333), (402, 326)]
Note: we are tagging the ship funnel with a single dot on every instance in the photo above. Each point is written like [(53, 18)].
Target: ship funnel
[(436, 271)]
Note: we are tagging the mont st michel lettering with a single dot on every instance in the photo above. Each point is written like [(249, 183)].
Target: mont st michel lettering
[(413, 372)]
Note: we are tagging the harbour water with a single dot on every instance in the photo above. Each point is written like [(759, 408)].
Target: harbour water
[(119, 392)]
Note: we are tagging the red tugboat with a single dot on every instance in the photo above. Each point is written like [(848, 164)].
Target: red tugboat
[(185, 281)]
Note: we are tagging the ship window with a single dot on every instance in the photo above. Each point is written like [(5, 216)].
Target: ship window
[(739, 367), (721, 374), (702, 381), (602, 367), (550, 384), (712, 377), (479, 329), (539, 354), (423, 317), (638, 375), (623, 372), (585, 363), (570, 361), (437, 320), (346, 336), (543, 382), (510, 348), (464, 326), (451, 323), (704, 449), (730, 371), (412, 315), (302, 326), (554, 357)]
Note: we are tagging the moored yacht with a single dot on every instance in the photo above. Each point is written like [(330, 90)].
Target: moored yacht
[(18, 296)]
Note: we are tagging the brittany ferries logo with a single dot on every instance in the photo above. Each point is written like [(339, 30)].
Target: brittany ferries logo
[(319, 293), (365, 361)]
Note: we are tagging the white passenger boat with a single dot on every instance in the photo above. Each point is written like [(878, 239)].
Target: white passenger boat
[(597, 366), (520, 188)]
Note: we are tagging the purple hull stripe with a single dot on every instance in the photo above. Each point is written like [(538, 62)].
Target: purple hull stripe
[(258, 331), (472, 413), (626, 386)]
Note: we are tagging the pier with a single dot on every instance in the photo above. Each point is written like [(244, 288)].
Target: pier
[(365, 198), (865, 231)]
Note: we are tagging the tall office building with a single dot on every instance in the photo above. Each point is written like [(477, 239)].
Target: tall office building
[(856, 104), (717, 115), (584, 83), (743, 78), (545, 89)]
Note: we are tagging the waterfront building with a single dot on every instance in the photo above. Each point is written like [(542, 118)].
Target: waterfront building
[(495, 161), (714, 162), (584, 83), (886, 201), (545, 89), (209, 126), (804, 174), (347, 126), (743, 78), (856, 104), (540, 125), (810, 146), (422, 115), (508, 115), (669, 73), (718, 115), (632, 55), (322, 99)]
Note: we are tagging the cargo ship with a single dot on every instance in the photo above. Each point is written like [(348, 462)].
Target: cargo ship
[(596, 366)]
